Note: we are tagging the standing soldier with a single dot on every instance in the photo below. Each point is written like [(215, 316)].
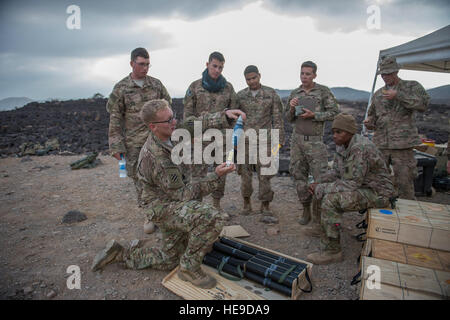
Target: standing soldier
[(392, 115), (210, 94), (308, 107), (264, 110), (127, 132), (358, 180)]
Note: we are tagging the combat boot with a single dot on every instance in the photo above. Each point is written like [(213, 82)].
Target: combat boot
[(306, 216), (113, 252), (247, 206), (197, 277), (313, 230), (265, 208), (216, 203), (325, 257)]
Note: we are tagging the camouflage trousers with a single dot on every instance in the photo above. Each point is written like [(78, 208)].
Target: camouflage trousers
[(132, 157), (189, 228), (333, 205), (265, 192), (307, 157), (404, 166)]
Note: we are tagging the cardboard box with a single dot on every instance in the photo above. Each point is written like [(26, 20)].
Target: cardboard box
[(243, 289), (407, 254), (402, 282), (422, 224)]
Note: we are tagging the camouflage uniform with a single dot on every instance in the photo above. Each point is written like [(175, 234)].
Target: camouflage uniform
[(197, 102), (396, 132), (264, 111), (127, 132), (188, 227), (358, 180), (309, 153)]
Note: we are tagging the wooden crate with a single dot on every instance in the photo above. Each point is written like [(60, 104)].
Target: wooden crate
[(407, 254), (403, 282), (422, 224), (243, 289)]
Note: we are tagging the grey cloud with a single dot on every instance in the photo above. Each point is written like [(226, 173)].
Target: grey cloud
[(407, 17), (107, 27)]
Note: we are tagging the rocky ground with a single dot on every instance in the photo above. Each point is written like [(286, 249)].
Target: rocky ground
[(36, 193), (38, 247)]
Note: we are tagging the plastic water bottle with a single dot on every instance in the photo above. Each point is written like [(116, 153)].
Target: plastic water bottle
[(122, 167), (237, 131)]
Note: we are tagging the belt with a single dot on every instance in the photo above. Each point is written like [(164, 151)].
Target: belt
[(310, 138)]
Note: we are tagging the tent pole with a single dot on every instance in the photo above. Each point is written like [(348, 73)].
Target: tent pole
[(364, 129)]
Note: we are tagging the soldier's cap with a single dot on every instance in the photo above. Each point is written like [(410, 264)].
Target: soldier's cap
[(345, 122), (388, 65)]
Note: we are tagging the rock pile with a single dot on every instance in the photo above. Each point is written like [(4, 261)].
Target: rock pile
[(81, 126)]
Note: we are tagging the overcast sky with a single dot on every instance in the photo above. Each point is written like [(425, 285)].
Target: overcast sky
[(41, 58)]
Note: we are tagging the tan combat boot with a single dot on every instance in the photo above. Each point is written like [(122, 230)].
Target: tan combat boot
[(113, 252), (325, 257), (265, 208), (306, 215), (247, 206), (197, 277), (314, 229), (216, 203)]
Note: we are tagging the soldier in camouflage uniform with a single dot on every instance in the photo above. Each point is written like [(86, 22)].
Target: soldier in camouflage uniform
[(264, 110), (392, 115), (188, 226), (210, 94), (358, 180), (127, 132), (309, 154)]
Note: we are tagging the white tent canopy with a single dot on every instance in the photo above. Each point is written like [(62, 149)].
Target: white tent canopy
[(428, 53)]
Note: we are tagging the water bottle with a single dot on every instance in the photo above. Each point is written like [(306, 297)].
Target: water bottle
[(237, 131), (122, 167)]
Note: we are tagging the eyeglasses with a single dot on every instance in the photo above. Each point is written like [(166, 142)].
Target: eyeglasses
[(166, 121), (143, 64)]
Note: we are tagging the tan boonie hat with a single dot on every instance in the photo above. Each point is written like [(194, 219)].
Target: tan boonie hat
[(388, 65), (345, 122)]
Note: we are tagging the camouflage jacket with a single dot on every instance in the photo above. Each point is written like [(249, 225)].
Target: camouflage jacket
[(126, 128), (198, 100), (358, 167), (264, 111), (394, 120), (163, 181), (327, 104)]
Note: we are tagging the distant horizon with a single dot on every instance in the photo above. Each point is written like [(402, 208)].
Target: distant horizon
[(179, 97)]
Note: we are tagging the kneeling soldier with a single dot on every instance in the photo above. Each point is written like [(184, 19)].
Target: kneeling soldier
[(188, 226), (359, 180)]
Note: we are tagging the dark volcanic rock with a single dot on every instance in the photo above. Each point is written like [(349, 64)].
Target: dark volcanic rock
[(81, 126), (74, 216)]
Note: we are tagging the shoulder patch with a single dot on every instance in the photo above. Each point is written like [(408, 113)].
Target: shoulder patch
[(174, 178), (188, 92)]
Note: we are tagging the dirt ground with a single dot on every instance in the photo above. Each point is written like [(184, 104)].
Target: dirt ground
[(37, 248)]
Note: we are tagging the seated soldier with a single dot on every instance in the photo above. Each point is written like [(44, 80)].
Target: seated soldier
[(359, 180), (188, 226)]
